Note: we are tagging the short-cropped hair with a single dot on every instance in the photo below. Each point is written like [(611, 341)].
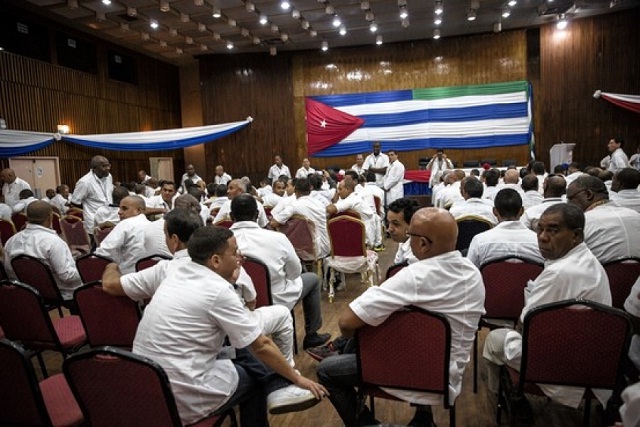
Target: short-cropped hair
[(207, 241)]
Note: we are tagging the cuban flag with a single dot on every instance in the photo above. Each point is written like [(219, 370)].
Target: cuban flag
[(477, 116)]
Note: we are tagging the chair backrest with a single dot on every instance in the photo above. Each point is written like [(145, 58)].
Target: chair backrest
[(76, 212), (19, 219), (622, 275), (74, 234), (410, 350), (132, 391), (107, 320), (37, 274), (347, 236), (469, 226), (23, 316), (99, 234), (91, 267), (21, 400), (504, 282), (259, 273), (576, 343), (391, 271), (7, 229), (149, 261), (348, 212), (470, 163), (55, 223), (226, 223), (301, 232)]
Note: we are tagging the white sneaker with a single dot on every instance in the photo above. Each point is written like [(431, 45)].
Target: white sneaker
[(290, 399)]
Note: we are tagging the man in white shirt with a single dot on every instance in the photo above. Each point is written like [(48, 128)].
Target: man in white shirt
[(509, 238), (276, 195), (451, 194), (442, 281), (392, 183), (399, 214), (619, 159), (236, 188), (221, 176), (311, 209), (358, 166), (61, 199), (377, 162), (472, 204), (288, 284), (573, 172), (12, 187), (184, 327), (26, 198), (531, 196), (163, 202), (349, 199), (93, 190), (40, 241), (437, 165), (305, 170), (611, 232), (491, 181), (49, 195), (278, 169), (511, 180), (537, 169), (189, 174), (570, 271), (554, 189), (107, 216), (625, 189), (143, 178), (125, 243)]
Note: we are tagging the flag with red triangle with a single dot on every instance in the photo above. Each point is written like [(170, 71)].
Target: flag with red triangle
[(327, 126)]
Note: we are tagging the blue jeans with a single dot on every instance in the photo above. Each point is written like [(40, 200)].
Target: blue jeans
[(255, 382), (339, 374)]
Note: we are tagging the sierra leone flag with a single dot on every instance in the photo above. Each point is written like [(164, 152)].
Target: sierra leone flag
[(477, 116)]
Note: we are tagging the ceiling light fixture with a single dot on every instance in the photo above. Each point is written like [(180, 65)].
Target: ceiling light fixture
[(216, 13), (405, 23), (295, 14), (512, 3), (132, 11), (274, 28), (273, 51), (471, 16), (329, 10), (153, 24), (184, 17), (438, 9), (336, 21), (144, 36), (305, 24), (229, 45), (506, 13), (249, 7), (562, 23), (203, 47), (436, 34), (198, 2), (373, 27), (62, 129), (369, 16), (173, 32), (403, 12), (378, 40), (263, 19), (100, 16), (164, 6), (256, 40), (284, 37), (179, 51), (106, 2), (201, 27), (313, 33), (325, 46), (497, 27), (285, 5), (437, 21), (244, 32), (163, 43), (216, 36), (365, 5), (231, 22), (343, 30), (188, 40)]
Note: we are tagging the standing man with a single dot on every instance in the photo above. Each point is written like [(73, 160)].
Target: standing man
[(619, 159), (278, 169), (358, 166), (437, 165), (393, 179), (143, 178), (377, 162), (12, 187), (221, 178), (305, 170), (189, 174), (93, 191)]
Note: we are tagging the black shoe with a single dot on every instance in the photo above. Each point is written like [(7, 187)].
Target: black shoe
[(521, 410), (315, 340), (366, 418), (422, 419)]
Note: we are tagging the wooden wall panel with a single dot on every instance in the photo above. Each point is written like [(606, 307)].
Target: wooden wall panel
[(599, 53)]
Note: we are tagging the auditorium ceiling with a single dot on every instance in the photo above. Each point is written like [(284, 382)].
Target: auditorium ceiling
[(185, 29)]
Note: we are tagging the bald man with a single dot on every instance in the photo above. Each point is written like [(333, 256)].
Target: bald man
[(441, 281), (40, 241), (93, 191), (125, 244), (12, 186)]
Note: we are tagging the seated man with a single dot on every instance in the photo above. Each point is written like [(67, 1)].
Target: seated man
[(125, 244), (184, 328), (26, 198), (509, 237), (61, 199), (107, 216), (532, 191), (442, 281), (625, 189), (471, 190), (399, 214), (276, 194), (40, 241), (288, 284), (554, 189), (236, 188), (611, 232), (570, 271)]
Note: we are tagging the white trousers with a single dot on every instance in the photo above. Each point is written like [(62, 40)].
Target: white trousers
[(276, 321)]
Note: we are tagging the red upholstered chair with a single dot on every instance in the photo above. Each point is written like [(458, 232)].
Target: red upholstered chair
[(24, 318), (99, 234), (575, 343), (55, 223), (469, 226), (349, 253), (395, 268), (7, 229), (37, 274), (91, 267), (149, 261), (75, 235), (261, 278), (76, 212), (410, 351), (504, 282), (134, 390), (24, 401), (107, 320), (301, 232), (348, 212), (226, 223), (622, 275), (19, 219)]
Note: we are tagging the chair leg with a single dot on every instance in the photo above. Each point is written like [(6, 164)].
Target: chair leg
[(332, 291), (372, 403), (452, 416), (586, 416), (475, 362), (295, 335), (45, 374)]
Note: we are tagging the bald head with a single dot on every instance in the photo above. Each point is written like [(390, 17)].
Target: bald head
[(511, 176), (39, 212), (433, 232)]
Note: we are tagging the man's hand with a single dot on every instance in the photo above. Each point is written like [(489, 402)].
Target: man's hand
[(318, 390)]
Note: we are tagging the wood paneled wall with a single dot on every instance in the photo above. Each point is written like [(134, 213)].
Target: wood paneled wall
[(600, 53), (272, 90), (37, 96)]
